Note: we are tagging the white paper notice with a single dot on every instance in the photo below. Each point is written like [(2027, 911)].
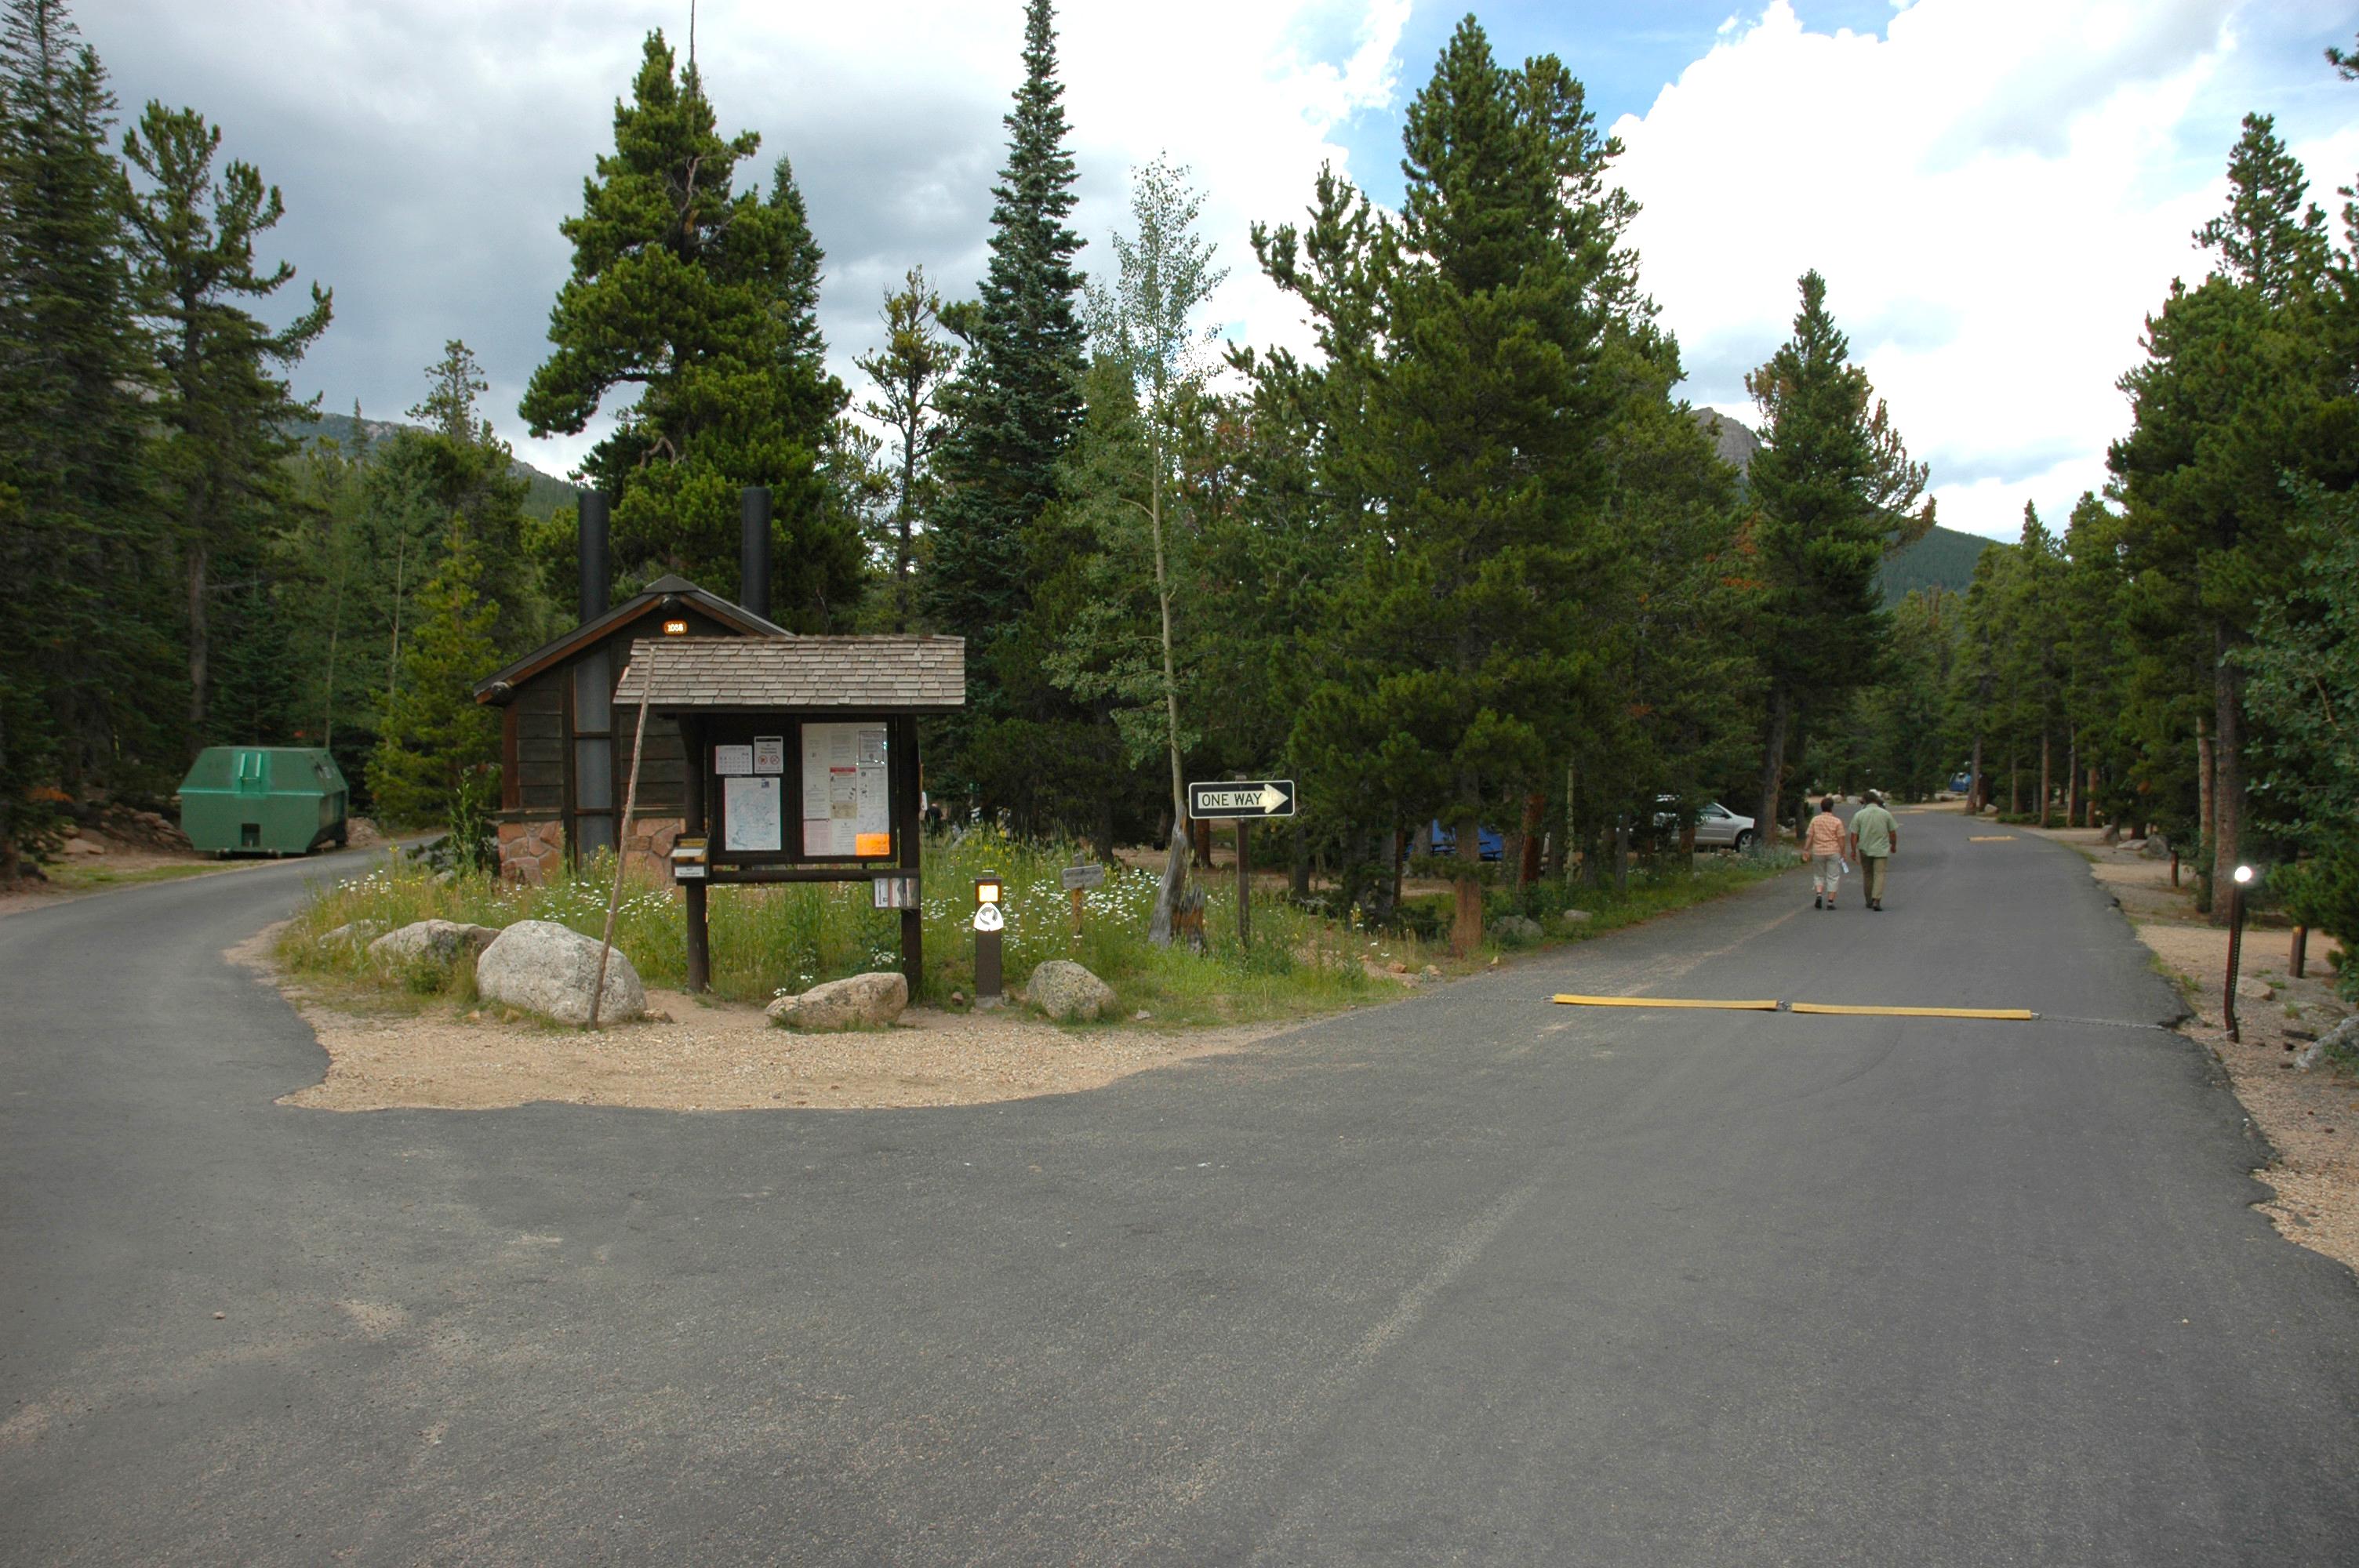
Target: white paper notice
[(729, 760), (750, 814), (769, 753), (847, 804)]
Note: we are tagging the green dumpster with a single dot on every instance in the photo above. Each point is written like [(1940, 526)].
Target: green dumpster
[(262, 800)]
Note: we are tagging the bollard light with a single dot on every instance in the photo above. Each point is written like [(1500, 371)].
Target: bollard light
[(2242, 879), (988, 924)]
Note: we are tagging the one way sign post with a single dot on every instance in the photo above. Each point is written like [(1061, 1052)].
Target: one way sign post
[(1242, 802)]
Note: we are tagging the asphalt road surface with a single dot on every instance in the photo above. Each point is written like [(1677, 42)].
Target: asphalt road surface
[(1471, 1278)]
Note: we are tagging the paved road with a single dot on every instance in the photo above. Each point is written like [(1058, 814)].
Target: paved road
[(1470, 1277)]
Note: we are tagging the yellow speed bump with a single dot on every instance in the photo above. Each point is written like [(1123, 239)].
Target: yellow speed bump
[(2015, 1014), (1990, 838), (1770, 1006)]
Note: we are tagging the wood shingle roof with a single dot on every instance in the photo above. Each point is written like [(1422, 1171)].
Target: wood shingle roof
[(870, 674)]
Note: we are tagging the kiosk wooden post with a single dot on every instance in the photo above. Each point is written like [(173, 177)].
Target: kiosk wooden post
[(693, 826)]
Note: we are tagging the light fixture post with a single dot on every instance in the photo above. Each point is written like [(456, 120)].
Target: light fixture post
[(2237, 887)]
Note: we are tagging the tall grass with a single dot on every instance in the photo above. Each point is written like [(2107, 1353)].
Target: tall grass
[(769, 940)]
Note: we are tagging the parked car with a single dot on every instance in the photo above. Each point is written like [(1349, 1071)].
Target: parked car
[(1487, 841), (1961, 781), (1716, 826)]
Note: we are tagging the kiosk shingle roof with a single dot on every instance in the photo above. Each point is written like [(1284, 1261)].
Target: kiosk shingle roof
[(874, 674)]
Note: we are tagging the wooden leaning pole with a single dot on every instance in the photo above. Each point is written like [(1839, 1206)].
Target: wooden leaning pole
[(622, 839)]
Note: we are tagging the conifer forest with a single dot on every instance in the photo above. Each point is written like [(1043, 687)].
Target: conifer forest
[(1474, 561)]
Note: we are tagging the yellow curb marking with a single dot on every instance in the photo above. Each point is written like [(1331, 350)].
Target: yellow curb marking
[(1770, 1006), (1990, 838), (2017, 1014)]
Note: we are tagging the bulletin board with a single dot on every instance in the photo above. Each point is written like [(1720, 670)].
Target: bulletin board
[(847, 797)]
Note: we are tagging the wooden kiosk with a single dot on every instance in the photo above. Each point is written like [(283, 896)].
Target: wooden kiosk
[(801, 764)]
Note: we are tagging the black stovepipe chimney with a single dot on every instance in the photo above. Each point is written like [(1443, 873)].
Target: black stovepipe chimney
[(595, 567), (754, 549)]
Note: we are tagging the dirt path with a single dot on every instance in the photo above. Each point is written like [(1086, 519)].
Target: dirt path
[(2310, 1119)]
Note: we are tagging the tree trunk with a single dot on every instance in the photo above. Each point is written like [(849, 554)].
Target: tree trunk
[(1527, 864), (1773, 760), (1974, 787), (2013, 785), (2045, 778), (2227, 773), (200, 648), (1622, 855), (1174, 864), (1466, 929), (2072, 781), (1299, 881)]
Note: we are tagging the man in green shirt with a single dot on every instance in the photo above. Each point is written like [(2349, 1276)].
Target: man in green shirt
[(1873, 837)]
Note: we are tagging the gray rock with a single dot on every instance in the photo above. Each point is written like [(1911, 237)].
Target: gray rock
[(2338, 1044), (2250, 989), (433, 941), (1576, 917), (359, 933), (548, 968), (1517, 930), (1068, 992), (2156, 848), (870, 1001)]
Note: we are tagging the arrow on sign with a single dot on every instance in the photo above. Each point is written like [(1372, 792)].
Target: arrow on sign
[(1241, 798)]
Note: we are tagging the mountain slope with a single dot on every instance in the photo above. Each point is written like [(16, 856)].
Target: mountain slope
[(547, 492)]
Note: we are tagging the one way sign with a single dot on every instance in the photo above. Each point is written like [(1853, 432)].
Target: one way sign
[(1253, 797)]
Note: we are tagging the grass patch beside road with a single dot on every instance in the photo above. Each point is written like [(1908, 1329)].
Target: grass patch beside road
[(768, 940)]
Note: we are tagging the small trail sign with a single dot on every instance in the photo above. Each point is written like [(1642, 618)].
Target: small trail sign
[(1079, 877), (1241, 800)]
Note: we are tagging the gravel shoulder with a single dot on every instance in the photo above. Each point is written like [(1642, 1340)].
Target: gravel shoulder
[(2310, 1119), (697, 1055)]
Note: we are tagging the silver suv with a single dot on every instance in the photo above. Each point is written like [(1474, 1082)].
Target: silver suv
[(1717, 828)]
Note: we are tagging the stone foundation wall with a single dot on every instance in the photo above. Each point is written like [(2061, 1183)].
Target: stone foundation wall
[(531, 852), (649, 851)]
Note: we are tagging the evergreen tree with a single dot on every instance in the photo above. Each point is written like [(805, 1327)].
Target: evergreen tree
[(436, 740), (910, 373), (2242, 387), (1016, 404), (224, 404), (82, 663), (1833, 487), (704, 298), (1448, 689)]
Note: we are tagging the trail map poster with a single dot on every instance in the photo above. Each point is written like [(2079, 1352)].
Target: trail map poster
[(847, 804), (751, 814)]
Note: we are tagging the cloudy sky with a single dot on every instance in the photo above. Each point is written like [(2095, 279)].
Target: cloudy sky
[(1997, 190)]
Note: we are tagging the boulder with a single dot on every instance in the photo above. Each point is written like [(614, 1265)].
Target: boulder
[(548, 968), (2249, 988), (2338, 1044), (432, 941), (84, 846), (870, 1001), (1576, 917), (1517, 930), (2156, 848), (359, 933), (1068, 992)]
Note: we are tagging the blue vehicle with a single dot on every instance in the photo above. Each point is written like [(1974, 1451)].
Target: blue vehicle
[(1487, 841)]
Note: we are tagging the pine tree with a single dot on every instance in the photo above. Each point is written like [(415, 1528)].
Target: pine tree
[(435, 739), (1833, 485), (1017, 402), (705, 298), (226, 405), (82, 665), (910, 371), (1454, 661)]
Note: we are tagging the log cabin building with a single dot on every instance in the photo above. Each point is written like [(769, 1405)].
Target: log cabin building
[(565, 744)]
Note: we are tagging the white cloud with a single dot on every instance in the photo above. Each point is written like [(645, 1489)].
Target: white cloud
[(428, 149), (1997, 192)]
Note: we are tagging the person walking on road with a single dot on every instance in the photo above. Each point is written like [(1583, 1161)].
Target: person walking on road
[(1823, 846), (1875, 835)]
